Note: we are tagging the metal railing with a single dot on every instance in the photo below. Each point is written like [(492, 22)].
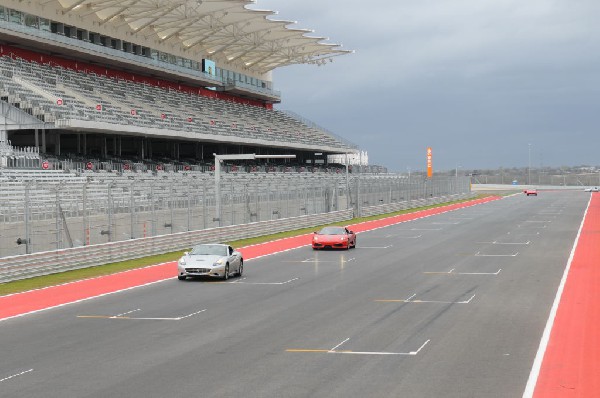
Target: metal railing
[(53, 210), (44, 263), (48, 262)]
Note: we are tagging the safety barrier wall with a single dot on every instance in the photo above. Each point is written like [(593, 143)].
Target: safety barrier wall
[(50, 262)]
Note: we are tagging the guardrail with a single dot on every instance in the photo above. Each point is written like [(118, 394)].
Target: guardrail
[(44, 263)]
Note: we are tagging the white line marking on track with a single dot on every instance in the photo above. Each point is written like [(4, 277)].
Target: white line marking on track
[(140, 318), (403, 237), (240, 282), (478, 254), (425, 301), (337, 346), (315, 260), (348, 352), (87, 298), (128, 312), (520, 226), (420, 348), (505, 243), (411, 353), (451, 272), (376, 247), (16, 375), (480, 273), (192, 314), (525, 233), (537, 363)]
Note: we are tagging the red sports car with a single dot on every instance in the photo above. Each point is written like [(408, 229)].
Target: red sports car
[(530, 192), (334, 238)]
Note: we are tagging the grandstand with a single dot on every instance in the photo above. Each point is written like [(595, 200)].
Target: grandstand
[(111, 115), (151, 85)]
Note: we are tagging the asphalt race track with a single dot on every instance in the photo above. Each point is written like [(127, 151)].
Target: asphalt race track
[(452, 305)]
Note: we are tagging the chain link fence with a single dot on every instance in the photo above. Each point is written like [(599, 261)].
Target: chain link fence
[(70, 211)]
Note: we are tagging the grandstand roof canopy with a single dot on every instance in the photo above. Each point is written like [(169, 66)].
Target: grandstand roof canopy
[(218, 29)]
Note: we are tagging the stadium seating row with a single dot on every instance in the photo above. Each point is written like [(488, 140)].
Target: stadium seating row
[(53, 93)]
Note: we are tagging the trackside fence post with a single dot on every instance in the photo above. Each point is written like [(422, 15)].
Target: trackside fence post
[(111, 207)]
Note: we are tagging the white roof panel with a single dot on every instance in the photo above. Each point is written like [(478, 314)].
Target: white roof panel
[(222, 29)]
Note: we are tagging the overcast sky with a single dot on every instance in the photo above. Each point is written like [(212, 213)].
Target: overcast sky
[(481, 82)]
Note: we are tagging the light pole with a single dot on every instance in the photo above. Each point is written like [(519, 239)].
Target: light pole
[(529, 167), (219, 159), (347, 184), (409, 188), (456, 177)]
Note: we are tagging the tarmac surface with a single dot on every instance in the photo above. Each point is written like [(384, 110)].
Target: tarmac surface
[(449, 305)]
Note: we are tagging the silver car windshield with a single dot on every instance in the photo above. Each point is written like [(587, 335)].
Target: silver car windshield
[(209, 250), (333, 231)]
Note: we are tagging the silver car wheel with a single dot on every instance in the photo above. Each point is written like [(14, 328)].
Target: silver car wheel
[(241, 268), (226, 273)]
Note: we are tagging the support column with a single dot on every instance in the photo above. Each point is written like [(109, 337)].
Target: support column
[(57, 144), (37, 139), (43, 140)]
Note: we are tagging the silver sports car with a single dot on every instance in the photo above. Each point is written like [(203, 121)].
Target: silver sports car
[(214, 260)]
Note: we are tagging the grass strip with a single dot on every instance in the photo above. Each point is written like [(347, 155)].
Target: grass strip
[(112, 268)]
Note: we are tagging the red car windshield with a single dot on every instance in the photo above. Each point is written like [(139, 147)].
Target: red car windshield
[(332, 231)]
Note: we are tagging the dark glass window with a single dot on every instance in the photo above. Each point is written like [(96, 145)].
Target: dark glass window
[(16, 16), (31, 21)]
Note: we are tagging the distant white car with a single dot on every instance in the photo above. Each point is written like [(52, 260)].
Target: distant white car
[(213, 260), (594, 189)]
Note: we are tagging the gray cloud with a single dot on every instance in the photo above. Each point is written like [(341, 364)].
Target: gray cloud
[(476, 80)]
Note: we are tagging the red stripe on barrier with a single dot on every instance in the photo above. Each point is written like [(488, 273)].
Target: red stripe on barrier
[(37, 300), (571, 364)]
